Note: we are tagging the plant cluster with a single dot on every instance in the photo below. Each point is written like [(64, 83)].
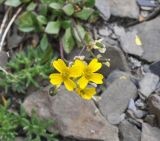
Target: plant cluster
[(56, 18), (13, 124), (77, 76), (25, 68)]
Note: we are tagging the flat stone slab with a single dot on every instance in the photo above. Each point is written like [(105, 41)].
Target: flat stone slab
[(127, 41), (124, 8), (129, 132), (150, 133), (148, 84), (117, 61), (103, 7), (149, 33), (73, 116), (115, 99)]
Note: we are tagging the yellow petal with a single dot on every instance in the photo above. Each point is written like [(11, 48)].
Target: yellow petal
[(94, 65), (88, 93), (77, 68), (138, 41), (56, 79), (69, 84), (82, 82), (59, 65), (96, 78)]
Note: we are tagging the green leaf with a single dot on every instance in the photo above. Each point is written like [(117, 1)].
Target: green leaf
[(66, 24), (44, 42), (85, 13), (42, 19), (1, 1), (68, 40), (25, 1), (68, 9), (94, 17), (81, 31), (56, 6), (89, 3), (31, 6), (46, 1), (13, 3), (26, 21), (53, 27), (43, 9), (88, 38)]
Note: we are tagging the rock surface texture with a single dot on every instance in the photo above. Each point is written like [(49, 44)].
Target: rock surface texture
[(73, 116), (150, 133), (129, 132), (115, 99), (124, 8), (148, 84), (117, 61), (127, 41), (149, 33), (154, 106)]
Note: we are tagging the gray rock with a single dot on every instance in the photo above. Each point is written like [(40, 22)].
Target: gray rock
[(19, 139), (103, 7), (146, 68), (117, 61), (129, 132), (150, 119), (3, 58), (74, 117), (124, 8), (117, 74), (149, 33), (136, 112), (134, 121), (14, 40), (147, 3), (134, 62), (154, 106), (104, 31), (148, 84), (131, 105), (115, 118), (109, 41), (140, 104), (116, 98), (127, 40), (140, 114), (155, 67), (150, 133)]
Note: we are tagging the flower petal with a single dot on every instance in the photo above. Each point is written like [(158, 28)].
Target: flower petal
[(56, 79), (77, 68), (96, 78), (70, 85), (88, 93), (59, 65), (82, 82), (94, 65)]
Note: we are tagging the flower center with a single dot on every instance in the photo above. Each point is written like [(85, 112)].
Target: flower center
[(65, 74), (87, 73)]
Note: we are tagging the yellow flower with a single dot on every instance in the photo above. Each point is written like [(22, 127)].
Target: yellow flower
[(88, 72), (64, 76), (86, 93)]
